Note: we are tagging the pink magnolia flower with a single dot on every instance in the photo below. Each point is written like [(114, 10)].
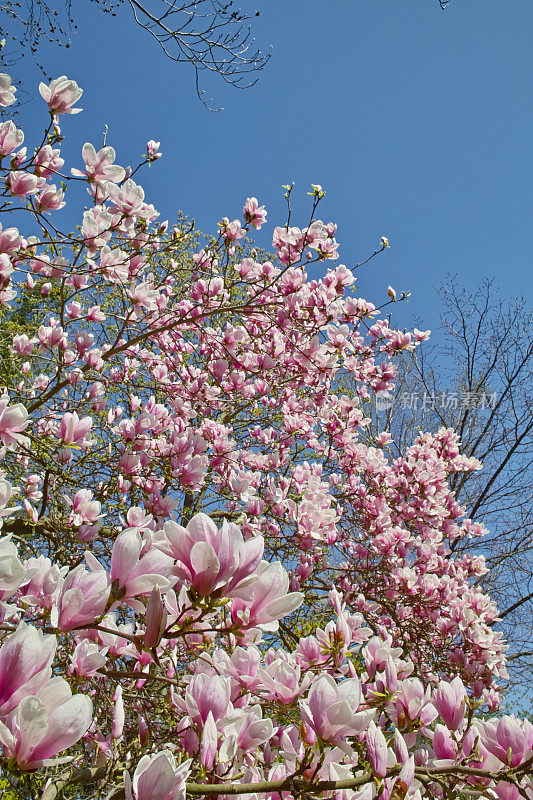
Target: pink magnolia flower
[(12, 572), (73, 430), (44, 583), (114, 640), (25, 658), (310, 651), (208, 742), (84, 341), (143, 295), (243, 666), (74, 309), (7, 91), (330, 711), (376, 746), (212, 560), (19, 157), (509, 739), (128, 198), (407, 773), (22, 344), (400, 748), (52, 336), (87, 659), (83, 597), (10, 240), (253, 730), (13, 420), (22, 184), (60, 95), (450, 701), (327, 249), (421, 336), (379, 651), (263, 599), (254, 214), (96, 227), (152, 150), (6, 270), (85, 510), (11, 137), (45, 723), (292, 236), (157, 778), (399, 341), (51, 199), (6, 493), (119, 717), (136, 574), (47, 160), (231, 231), (443, 744), (412, 704), (207, 694), (281, 679), (114, 264), (509, 791), (99, 166)]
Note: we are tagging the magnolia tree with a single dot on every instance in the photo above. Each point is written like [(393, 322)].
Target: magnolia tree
[(209, 584)]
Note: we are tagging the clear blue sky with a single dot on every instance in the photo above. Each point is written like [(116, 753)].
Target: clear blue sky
[(417, 123)]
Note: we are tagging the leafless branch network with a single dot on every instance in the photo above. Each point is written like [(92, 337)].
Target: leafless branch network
[(211, 35), (476, 379)]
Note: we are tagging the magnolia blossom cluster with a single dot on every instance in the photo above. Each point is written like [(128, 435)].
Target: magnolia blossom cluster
[(181, 585), (302, 475), (186, 426), (206, 694)]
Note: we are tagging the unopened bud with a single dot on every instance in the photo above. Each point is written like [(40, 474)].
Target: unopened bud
[(117, 725), (156, 619), (144, 733)]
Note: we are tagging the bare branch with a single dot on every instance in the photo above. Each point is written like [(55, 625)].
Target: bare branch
[(211, 35)]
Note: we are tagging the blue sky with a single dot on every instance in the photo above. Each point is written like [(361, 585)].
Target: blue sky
[(416, 122)]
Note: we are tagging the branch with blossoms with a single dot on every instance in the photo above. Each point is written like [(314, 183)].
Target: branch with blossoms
[(288, 341), (297, 786), (183, 482)]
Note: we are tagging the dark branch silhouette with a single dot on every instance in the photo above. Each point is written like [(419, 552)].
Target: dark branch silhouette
[(475, 376), (210, 35)]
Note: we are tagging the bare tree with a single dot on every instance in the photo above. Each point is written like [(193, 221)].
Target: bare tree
[(477, 380), (211, 35)]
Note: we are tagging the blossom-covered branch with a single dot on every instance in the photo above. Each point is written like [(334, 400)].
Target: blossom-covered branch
[(209, 582)]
